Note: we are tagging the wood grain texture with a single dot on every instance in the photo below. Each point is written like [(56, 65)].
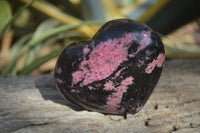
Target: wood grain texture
[(32, 104)]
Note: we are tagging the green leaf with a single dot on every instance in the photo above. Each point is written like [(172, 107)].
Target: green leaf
[(15, 49), (5, 13), (28, 69), (45, 26), (14, 17), (33, 42), (41, 29)]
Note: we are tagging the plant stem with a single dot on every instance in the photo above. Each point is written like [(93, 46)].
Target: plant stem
[(55, 13), (39, 62)]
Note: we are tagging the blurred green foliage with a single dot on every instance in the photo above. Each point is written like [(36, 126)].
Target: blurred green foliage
[(5, 14), (48, 25)]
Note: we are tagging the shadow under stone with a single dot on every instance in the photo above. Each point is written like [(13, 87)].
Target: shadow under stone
[(46, 86)]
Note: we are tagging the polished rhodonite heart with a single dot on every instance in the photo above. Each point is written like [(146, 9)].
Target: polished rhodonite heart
[(115, 72)]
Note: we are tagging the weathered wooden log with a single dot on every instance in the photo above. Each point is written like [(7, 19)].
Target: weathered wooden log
[(32, 104)]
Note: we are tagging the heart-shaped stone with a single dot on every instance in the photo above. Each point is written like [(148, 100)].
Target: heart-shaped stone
[(115, 72)]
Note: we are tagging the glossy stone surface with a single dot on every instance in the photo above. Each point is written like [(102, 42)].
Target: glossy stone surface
[(115, 72)]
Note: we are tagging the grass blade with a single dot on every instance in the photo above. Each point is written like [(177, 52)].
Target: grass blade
[(44, 36), (55, 13), (28, 69)]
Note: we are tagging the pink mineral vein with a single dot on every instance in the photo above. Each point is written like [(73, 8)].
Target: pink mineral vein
[(158, 62), (114, 100), (85, 50), (109, 85), (91, 88), (58, 69), (103, 60), (118, 72), (60, 81)]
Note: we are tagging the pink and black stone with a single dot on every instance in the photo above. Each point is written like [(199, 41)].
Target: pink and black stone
[(115, 72)]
